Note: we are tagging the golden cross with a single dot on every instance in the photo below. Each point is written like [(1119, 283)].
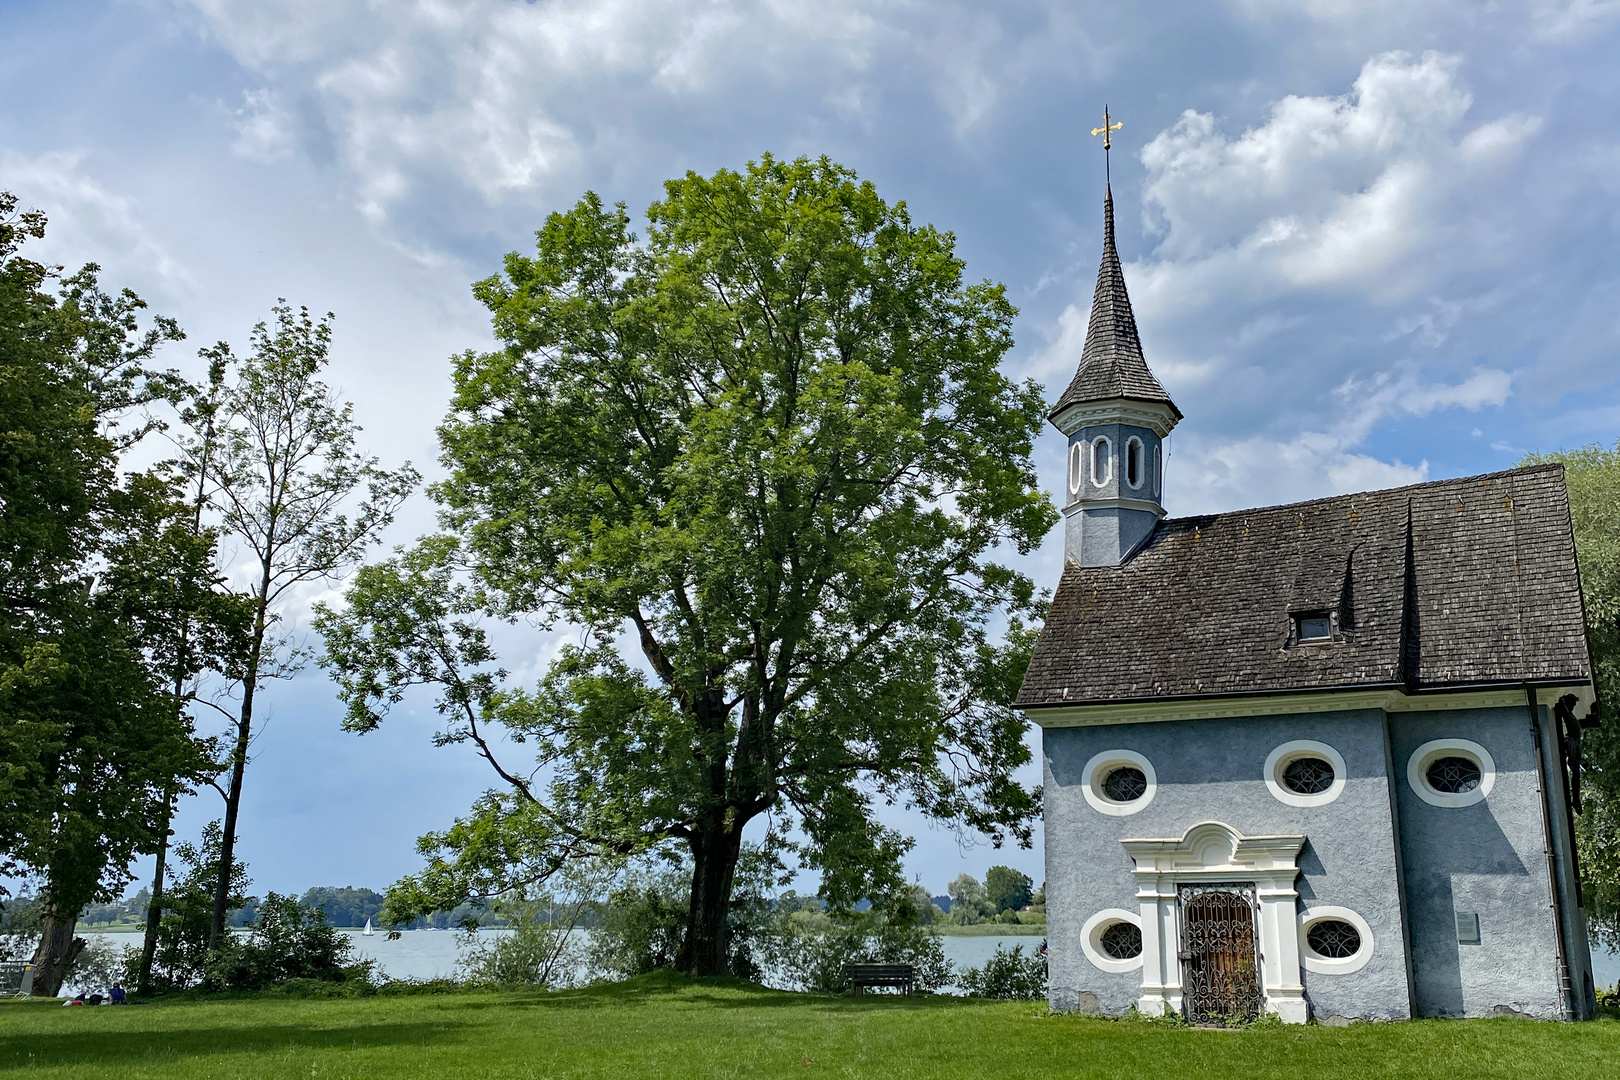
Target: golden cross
[(1108, 129)]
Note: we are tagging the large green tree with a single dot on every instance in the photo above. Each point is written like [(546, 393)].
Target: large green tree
[(1593, 476), (90, 568), (766, 461)]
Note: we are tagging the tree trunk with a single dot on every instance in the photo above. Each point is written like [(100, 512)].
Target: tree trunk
[(154, 910), (244, 728), (714, 866), (58, 948)]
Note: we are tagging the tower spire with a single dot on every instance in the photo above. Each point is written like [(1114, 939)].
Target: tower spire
[(1116, 416)]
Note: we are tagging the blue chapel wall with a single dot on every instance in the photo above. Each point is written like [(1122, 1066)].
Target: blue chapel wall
[(1117, 486), (1214, 770), (1488, 859)]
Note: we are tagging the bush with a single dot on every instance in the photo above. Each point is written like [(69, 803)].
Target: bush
[(289, 941), (1007, 975), (539, 948), (809, 950), (640, 927)]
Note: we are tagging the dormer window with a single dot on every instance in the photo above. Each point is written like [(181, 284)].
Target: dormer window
[(1311, 626)]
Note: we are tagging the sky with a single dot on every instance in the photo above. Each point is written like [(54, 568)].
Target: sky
[(1368, 243)]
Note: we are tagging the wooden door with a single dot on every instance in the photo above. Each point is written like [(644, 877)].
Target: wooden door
[(1219, 962)]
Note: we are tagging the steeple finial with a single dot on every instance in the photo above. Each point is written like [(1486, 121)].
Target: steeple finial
[(1107, 132)]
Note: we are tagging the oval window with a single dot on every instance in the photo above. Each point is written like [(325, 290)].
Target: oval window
[(1075, 469), (1133, 462), (1121, 941), (1333, 939), (1453, 775), (1308, 775), (1125, 784)]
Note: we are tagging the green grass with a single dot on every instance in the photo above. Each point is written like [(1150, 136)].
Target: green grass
[(992, 930), (665, 1026)]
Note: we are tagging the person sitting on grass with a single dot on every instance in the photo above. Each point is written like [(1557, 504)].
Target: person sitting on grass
[(116, 995)]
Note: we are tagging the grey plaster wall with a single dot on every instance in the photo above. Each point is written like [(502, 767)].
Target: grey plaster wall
[(1117, 487), (1213, 770), (1489, 858)]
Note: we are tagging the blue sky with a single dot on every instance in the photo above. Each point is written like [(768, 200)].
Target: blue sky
[(1368, 243)]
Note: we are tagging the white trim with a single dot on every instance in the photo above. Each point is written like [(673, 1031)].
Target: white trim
[(1417, 766), (1096, 771), (1394, 701), (1091, 939), (1076, 468), (1141, 463), (1324, 965), (1158, 471), (1212, 852), (1279, 760), (1105, 446), (1156, 417), (1123, 504)]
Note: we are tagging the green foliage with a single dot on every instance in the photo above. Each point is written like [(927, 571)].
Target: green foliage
[(773, 445), (1005, 889), (101, 566), (288, 942), (640, 927), (810, 950), (1592, 474), (1007, 975), (969, 902), (182, 956), (347, 906)]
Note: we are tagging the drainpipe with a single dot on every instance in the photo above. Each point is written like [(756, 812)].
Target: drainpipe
[(1555, 887)]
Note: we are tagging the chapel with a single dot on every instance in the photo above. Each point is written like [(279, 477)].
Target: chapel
[(1319, 760)]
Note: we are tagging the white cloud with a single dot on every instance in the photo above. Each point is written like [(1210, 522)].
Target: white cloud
[(89, 222), (516, 98), (1208, 477), (263, 129)]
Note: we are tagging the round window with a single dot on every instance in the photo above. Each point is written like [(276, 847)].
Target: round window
[(1451, 772), (1305, 773), (1308, 775), (1119, 782), (1333, 939), (1453, 775), (1125, 784), (1121, 941)]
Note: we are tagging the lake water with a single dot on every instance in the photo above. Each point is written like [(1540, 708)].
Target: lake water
[(429, 954)]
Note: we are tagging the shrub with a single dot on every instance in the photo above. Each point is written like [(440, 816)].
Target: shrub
[(809, 950), (539, 948), (289, 941), (1007, 975)]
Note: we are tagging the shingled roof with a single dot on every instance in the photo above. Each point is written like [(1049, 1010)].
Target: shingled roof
[(1111, 362), (1456, 583)]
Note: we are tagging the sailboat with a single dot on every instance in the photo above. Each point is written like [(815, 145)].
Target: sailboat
[(367, 931)]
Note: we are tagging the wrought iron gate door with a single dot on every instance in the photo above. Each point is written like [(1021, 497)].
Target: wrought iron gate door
[(1219, 963)]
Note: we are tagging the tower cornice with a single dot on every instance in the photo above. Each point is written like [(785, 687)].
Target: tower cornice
[(1158, 417)]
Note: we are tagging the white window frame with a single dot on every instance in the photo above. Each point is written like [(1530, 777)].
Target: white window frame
[(1158, 471), (1280, 758), (1102, 449), (1327, 965), (1133, 445), (1076, 467), (1417, 769), (1096, 772), (1091, 940)]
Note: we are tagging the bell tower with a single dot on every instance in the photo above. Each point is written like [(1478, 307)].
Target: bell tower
[(1116, 416)]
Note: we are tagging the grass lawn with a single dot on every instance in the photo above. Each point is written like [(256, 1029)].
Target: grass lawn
[(665, 1026)]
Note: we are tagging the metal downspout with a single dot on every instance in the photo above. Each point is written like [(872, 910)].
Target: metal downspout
[(1556, 891)]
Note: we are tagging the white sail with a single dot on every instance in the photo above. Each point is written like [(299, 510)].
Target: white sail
[(367, 931)]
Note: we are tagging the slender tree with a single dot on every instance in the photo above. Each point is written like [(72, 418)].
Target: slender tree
[(770, 449), (290, 486)]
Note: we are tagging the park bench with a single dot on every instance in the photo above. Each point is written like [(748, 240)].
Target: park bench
[(16, 978), (860, 976)]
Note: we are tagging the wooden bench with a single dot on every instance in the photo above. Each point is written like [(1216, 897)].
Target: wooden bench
[(860, 976)]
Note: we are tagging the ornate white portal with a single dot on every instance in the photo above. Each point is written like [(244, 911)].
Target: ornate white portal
[(1212, 852)]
